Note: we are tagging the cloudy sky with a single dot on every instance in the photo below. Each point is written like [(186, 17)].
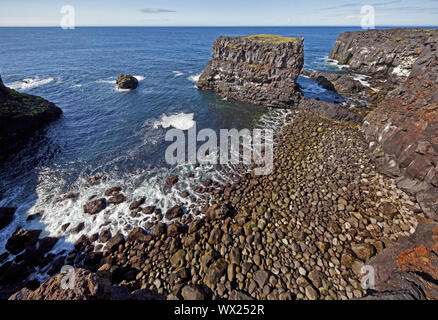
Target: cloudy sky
[(218, 13)]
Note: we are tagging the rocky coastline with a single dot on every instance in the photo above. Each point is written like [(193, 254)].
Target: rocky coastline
[(348, 189), (21, 115)]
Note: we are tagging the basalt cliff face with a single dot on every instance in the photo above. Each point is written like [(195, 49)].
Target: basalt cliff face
[(385, 54), (403, 130), (260, 69), (20, 116)]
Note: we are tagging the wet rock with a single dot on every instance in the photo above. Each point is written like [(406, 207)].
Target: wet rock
[(117, 199), (115, 242), (137, 203), (35, 216), (67, 196), (138, 234), (174, 212), (78, 228), (22, 239), (113, 191), (104, 236), (149, 210), (6, 216), (95, 206), (171, 181)]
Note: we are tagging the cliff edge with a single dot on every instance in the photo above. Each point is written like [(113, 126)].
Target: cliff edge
[(385, 54), (256, 69), (21, 115)]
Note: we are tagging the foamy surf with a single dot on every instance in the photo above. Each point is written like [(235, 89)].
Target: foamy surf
[(29, 83), (139, 78), (181, 121), (194, 78), (177, 74)]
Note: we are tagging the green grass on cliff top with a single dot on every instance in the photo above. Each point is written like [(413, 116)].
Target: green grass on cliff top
[(15, 105), (270, 38)]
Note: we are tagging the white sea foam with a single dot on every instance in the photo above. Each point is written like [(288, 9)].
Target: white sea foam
[(177, 74), (181, 121), (336, 64), (194, 78), (139, 78), (106, 81), (29, 83)]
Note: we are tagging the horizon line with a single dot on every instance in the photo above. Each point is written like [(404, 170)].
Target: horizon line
[(208, 26)]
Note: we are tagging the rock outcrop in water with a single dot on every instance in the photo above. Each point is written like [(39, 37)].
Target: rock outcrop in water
[(258, 69), (127, 81), (386, 54), (21, 115)]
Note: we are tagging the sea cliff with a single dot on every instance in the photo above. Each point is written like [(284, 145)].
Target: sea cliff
[(259, 69), (21, 115)]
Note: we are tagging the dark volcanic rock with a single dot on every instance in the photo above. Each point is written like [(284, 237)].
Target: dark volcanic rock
[(114, 242), (117, 199), (171, 181), (330, 110), (86, 286), (22, 239), (21, 115), (137, 203), (138, 234), (388, 54), (127, 81), (6, 216), (340, 83), (403, 137), (113, 191), (258, 69), (95, 206), (174, 212)]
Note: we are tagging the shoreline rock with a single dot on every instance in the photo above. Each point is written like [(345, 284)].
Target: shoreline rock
[(127, 81), (21, 115), (258, 69), (385, 54)]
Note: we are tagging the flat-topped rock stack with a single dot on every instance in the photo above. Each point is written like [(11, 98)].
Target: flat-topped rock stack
[(256, 69)]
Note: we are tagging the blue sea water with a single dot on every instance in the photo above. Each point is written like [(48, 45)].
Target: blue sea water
[(118, 133)]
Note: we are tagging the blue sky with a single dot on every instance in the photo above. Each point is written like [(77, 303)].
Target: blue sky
[(218, 13)]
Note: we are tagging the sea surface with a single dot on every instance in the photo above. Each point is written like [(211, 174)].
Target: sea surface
[(120, 134)]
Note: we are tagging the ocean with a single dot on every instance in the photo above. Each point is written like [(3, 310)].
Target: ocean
[(120, 134)]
